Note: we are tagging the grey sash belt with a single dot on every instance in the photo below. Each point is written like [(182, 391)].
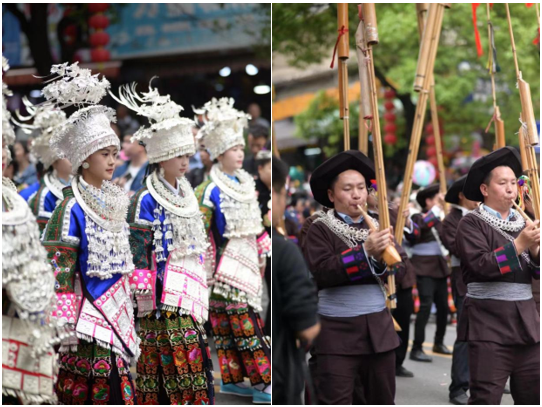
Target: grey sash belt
[(497, 290)]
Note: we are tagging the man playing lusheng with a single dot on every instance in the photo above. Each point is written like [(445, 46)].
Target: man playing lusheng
[(345, 259), (499, 252)]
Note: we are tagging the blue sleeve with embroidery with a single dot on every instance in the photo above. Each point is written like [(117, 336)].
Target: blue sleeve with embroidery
[(219, 218), (50, 202), (29, 191)]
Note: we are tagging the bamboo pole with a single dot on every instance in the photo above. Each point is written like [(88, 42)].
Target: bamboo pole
[(500, 139), (343, 53), (524, 90), (390, 256), (529, 165), (431, 35), (365, 109)]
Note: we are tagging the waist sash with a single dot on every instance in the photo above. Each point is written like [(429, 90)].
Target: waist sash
[(500, 291)]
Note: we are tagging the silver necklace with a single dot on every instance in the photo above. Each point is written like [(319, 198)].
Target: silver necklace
[(525, 253), (497, 223), (244, 191), (185, 205), (349, 235)]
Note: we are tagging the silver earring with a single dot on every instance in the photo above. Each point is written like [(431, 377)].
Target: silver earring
[(85, 165), (162, 172)]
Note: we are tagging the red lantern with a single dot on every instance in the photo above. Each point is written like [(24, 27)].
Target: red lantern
[(70, 30), (390, 138), (390, 128), (99, 39), (434, 161), (431, 151), (389, 116), (389, 105), (98, 22), (97, 7), (430, 140), (389, 94), (429, 128), (99, 55)]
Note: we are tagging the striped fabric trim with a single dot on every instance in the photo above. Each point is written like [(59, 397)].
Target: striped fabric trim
[(507, 258), (430, 219), (355, 263)]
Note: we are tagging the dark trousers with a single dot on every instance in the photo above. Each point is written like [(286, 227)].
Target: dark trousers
[(337, 376), (460, 357), (431, 290), (490, 366), (405, 308)]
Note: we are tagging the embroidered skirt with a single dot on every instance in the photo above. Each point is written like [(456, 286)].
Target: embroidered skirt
[(243, 349), (94, 375), (175, 365)]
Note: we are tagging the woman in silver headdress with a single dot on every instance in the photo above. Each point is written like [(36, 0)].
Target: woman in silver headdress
[(168, 241), (239, 248), (87, 243)]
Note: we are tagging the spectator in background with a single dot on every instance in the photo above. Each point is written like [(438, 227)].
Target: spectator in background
[(200, 174), (130, 175), (256, 113), (295, 321), (257, 139), (263, 189), (195, 160), (26, 171), (126, 123)]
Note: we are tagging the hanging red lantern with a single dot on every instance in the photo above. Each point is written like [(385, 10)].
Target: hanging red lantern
[(433, 160), (389, 105), (389, 117), (430, 140), (97, 7), (99, 55), (389, 94), (390, 128), (390, 138), (429, 128), (98, 22), (431, 151), (99, 39)]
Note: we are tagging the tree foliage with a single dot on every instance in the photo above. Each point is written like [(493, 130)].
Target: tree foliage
[(306, 33)]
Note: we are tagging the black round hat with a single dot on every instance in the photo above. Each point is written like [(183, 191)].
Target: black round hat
[(452, 196), (428, 192), (347, 160), (505, 156)]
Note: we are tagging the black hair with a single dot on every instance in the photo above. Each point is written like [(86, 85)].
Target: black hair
[(258, 131), (262, 162), (151, 168), (280, 172)]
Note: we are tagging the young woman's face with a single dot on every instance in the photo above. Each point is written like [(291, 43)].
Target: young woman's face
[(232, 159), (176, 167), (102, 163), (20, 154)]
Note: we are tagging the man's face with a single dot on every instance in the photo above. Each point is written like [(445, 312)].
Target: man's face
[(348, 193), (264, 171), (502, 190), (256, 144)]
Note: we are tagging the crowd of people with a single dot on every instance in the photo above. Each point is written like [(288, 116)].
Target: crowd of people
[(337, 339), (126, 244)]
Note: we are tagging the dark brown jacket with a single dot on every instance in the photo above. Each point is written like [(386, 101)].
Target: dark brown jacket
[(449, 232), (480, 249)]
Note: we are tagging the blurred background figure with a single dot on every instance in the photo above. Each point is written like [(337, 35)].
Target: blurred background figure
[(255, 112), (130, 175), (295, 322), (200, 174), (26, 173), (257, 140)]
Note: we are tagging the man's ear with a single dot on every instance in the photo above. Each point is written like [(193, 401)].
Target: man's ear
[(330, 195), (483, 190)]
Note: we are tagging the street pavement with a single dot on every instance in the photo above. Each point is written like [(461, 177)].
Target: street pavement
[(430, 383)]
